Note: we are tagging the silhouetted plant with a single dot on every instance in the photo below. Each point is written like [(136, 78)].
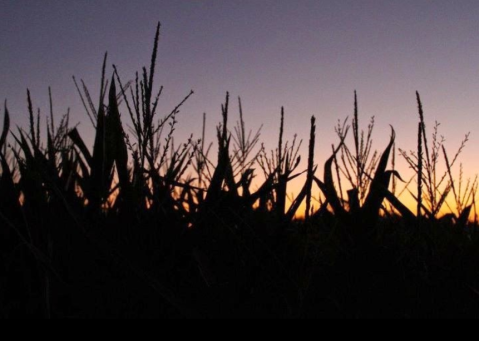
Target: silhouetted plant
[(357, 211), (141, 224), (280, 166), (434, 185)]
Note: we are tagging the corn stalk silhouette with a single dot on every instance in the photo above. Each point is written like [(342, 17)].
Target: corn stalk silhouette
[(354, 212), (434, 186)]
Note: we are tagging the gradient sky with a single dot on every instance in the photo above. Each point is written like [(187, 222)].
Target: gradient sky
[(308, 56)]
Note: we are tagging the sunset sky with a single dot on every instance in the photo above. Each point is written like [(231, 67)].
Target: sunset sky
[(306, 55)]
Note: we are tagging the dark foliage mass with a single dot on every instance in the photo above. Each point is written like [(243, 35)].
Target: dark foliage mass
[(136, 226)]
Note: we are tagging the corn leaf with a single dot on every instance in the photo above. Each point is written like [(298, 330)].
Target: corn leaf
[(6, 128)]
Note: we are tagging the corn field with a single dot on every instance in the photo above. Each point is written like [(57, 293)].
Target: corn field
[(137, 226)]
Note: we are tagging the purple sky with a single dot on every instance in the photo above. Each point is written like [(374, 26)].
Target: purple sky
[(309, 56)]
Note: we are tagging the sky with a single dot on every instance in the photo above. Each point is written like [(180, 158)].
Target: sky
[(308, 56)]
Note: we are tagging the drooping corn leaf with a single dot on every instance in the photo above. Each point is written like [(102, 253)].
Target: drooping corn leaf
[(299, 200), (399, 206), (102, 162), (328, 188), (6, 128), (464, 217), (381, 180), (74, 135), (116, 140)]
